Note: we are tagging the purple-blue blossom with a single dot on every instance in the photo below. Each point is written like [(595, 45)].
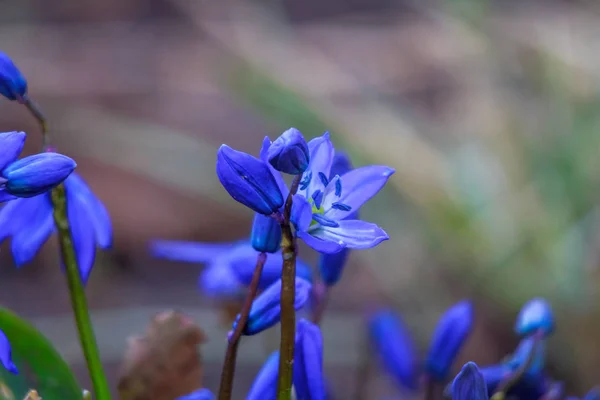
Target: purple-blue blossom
[(535, 315), (266, 308), (469, 384), (29, 222), (308, 380), (6, 354), (265, 235), (449, 336), (264, 386), (289, 152), (13, 85)]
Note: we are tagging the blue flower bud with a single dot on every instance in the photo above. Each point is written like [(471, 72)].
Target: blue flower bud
[(201, 394), (34, 175), (265, 383), (469, 384), (11, 145), (308, 362), (13, 85), (266, 234), (289, 152), (248, 180), (266, 308), (5, 354), (449, 336), (394, 346), (535, 315)]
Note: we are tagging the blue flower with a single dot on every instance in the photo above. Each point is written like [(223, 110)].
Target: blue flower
[(308, 362), (230, 266), (265, 383), (248, 180), (13, 85), (451, 332), (469, 384), (289, 152), (331, 266), (6, 354), (535, 315), (31, 175), (593, 394), (394, 346), (324, 204), (266, 234), (29, 221), (266, 308), (522, 353), (201, 394)]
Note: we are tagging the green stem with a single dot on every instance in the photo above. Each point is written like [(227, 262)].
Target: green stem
[(77, 294), (288, 294)]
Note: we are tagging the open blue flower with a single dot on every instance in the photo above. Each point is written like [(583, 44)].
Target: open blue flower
[(230, 266), (469, 384), (13, 85), (6, 354), (322, 205), (29, 222)]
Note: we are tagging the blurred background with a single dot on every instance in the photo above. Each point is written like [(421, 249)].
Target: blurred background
[(488, 110)]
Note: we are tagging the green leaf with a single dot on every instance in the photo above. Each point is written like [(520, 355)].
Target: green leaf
[(40, 366)]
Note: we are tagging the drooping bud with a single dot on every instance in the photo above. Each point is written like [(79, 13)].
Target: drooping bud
[(248, 180), (309, 381), (469, 384), (36, 174), (266, 308), (536, 315), (266, 234), (13, 85), (450, 334), (289, 152)]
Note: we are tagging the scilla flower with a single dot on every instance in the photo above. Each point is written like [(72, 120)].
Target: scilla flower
[(5, 354), (13, 85), (32, 175), (469, 384), (534, 316), (308, 362), (266, 308), (450, 334), (29, 222), (323, 204), (289, 152), (201, 394), (265, 383)]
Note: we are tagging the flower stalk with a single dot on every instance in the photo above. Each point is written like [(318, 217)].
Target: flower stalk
[(228, 373), (288, 313), (74, 283)]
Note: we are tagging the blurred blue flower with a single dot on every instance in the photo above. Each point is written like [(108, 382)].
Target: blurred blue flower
[(331, 266), (248, 180), (469, 384), (535, 315), (593, 394), (289, 152), (29, 222), (450, 334), (5, 354), (556, 391), (201, 394), (523, 351), (31, 175), (230, 266), (266, 308), (308, 362), (266, 234), (265, 383), (13, 85), (324, 204), (394, 346)]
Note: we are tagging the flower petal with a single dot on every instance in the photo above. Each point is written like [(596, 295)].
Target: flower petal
[(352, 233), (193, 252), (12, 83), (276, 174), (301, 215), (308, 362), (28, 241), (219, 281), (11, 145), (265, 383), (321, 157), (95, 209), (469, 384), (84, 241), (266, 234), (244, 269), (5, 196), (358, 186), (321, 245), (5, 354)]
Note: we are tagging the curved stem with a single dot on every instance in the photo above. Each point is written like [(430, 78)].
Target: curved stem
[(288, 294), (228, 373), (39, 116)]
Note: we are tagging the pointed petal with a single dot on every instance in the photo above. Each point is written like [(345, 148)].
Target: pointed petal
[(13, 214), (5, 196), (358, 186), (308, 362), (244, 269), (96, 211), (276, 174), (218, 281), (5, 354), (83, 236), (193, 252), (301, 215), (11, 145), (321, 157), (469, 384), (321, 245), (265, 383), (353, 233), (28, 241)]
